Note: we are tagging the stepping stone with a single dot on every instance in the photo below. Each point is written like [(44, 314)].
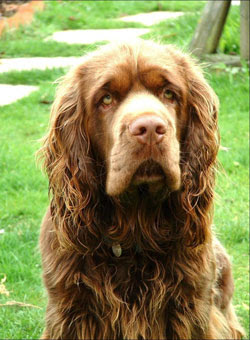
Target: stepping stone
[(152, 18), (93, 36), (11, 93), (21, 64)]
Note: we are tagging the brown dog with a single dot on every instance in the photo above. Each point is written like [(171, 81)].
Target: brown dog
[(127, 246)]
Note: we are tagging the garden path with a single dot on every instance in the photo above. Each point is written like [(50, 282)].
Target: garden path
[(11, 93)]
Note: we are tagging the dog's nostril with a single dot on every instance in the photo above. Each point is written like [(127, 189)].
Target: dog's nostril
[(161, 129), (142, 130)]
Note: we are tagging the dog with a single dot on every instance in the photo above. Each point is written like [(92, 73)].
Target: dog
[(127, 246)]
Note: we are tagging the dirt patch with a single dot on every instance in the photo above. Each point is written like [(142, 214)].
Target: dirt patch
[(16, 13), (9, 7)]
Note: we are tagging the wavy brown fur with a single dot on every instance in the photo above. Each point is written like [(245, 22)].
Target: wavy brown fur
[(173, 279)]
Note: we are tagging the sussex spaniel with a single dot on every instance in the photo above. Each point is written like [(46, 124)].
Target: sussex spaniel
[(127, 246)]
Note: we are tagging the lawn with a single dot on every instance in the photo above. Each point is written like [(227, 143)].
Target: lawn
[(23, 193)]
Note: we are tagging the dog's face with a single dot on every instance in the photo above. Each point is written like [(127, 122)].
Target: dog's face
[(139, 119), (136, 115), (144, 114)]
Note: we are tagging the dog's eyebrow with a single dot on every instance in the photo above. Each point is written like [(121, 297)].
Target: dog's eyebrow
[(152, 78), (115, 82), (155, 77), (105, 86), (163, 72)]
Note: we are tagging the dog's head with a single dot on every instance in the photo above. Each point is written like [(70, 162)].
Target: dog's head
[(131, 115)]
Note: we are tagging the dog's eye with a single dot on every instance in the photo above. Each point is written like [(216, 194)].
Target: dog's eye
[(168, 94), (107, 99)]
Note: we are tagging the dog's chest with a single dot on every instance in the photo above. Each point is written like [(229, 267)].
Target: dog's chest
[(138, 296), (133, 291), (136, 305)]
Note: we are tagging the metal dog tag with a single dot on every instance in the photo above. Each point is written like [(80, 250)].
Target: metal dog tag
[(117, 250)]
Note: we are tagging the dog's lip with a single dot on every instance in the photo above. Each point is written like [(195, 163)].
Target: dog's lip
[(148, 171), (147, 179)]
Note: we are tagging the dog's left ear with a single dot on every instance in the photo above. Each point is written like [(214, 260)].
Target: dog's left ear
[(199, 150), (202, 137)]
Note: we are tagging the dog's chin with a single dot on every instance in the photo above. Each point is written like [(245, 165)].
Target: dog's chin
[(148, 172), (150, 180), (149, 177)]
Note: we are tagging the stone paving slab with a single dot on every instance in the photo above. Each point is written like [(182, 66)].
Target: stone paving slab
[(97, 35), (151, 18), (40, 63), (11, 93)]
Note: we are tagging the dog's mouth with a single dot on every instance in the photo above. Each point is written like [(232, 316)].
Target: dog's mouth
[(148, 172), (155, 174)]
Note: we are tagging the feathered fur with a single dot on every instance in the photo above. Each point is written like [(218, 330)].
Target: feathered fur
[(173, 279)]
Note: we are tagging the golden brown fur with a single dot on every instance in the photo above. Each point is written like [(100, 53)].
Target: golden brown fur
[(173, 279)]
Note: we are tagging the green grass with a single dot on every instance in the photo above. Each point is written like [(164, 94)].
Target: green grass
[(23, 202), (230, 39), (232, 203), (172, 32), (32, 77), (23, 193), (78, 15)]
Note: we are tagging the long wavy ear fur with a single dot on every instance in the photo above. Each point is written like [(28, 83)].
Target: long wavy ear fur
[(68, 162), (198, 156)]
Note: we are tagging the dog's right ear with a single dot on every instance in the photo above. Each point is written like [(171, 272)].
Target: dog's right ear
[(68, 162)]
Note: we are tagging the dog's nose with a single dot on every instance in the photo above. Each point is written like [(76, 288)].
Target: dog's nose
[(148, 129)]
